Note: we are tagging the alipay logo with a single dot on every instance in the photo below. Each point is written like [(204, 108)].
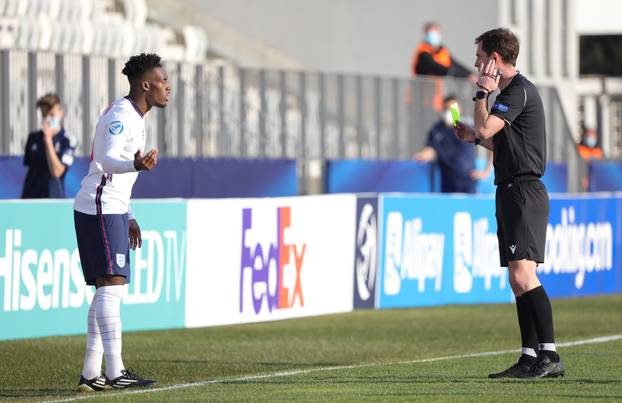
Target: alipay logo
[(476, 254), (411, 254)]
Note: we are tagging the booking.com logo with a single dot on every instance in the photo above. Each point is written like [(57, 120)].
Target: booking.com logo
[(268, 270)]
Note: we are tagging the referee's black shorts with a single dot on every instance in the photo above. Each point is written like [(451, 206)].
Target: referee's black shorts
[(522, 215)]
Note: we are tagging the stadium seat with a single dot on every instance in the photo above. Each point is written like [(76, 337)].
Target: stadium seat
[(8, 32), (98, 27)]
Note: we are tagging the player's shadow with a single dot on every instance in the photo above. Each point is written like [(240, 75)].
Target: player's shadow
[(35, 393)]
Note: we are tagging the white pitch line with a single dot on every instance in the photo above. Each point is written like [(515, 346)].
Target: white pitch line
[(280, 374)]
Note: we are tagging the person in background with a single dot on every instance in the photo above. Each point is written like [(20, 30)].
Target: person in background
[(431, 58), (456, 159), (49, 152), (588, 146), (589, 149)]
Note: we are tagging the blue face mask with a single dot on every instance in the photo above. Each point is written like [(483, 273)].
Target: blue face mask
[(433, 38), (54, 122), (590, 141)]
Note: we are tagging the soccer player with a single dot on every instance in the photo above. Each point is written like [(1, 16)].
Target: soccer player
[(105, 226), (514, 130)]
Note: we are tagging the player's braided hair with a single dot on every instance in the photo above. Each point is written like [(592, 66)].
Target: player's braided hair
[(139, 64)]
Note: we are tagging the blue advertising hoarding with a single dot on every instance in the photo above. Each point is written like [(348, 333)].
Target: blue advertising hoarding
[(358, 176), (555, 178), (437, 250), (14, 172), (583, 246), (179, 177), (218, 177), (605, 176)]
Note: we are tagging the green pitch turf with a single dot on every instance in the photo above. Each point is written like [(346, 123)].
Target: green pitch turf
[(296, 357)]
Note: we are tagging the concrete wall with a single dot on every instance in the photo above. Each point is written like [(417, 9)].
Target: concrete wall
[(599, 17), (354, 36)]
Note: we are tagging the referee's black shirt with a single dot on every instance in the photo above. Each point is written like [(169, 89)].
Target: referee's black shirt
[(520, 147)]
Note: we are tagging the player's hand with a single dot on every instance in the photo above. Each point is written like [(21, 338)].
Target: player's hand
[(488, 76), (136, 239), (47, 130), (464, 132), (147, 162)]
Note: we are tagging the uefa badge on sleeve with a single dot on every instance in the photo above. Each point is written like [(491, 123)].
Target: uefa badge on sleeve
[(115, 128)]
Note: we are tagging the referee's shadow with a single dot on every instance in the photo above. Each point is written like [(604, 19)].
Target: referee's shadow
[(396, 379)]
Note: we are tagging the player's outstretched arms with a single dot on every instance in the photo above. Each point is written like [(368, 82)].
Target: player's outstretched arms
[(146, 162)]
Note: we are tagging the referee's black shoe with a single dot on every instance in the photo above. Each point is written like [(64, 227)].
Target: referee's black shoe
[(522, 369), (547, 368)]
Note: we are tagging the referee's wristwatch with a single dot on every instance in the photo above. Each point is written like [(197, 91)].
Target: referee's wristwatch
[(481, 94)]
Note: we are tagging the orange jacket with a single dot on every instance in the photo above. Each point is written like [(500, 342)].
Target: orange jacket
[(588, 153), (440, 56)]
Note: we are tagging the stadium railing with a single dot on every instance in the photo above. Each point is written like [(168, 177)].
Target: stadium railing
[(218, 110)]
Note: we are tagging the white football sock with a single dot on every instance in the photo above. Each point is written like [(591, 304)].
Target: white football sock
[(529, 351), (108, 306), (547, 346), (94, 353)]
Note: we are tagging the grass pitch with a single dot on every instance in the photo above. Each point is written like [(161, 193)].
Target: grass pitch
[(358, 356)]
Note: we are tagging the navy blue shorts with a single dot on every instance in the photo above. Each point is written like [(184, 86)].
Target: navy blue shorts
[(104, 245)]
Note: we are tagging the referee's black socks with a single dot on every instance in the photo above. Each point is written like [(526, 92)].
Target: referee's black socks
[(528, 334), (542, 314)]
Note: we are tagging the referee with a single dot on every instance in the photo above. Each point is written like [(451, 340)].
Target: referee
[(515, 130)]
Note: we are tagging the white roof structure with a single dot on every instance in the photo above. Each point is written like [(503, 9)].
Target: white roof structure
[(95, 27)]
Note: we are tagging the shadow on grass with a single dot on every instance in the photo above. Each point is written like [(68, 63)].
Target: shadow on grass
[(470, 386), (424, 380), (34, 393), (283, 365)]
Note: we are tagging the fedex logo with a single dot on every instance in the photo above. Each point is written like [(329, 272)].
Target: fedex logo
[(270, 272)]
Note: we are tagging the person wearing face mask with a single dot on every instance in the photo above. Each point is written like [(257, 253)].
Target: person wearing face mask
[(49, 153), (589, 150), (431, 58), (456, 159), (588, 147)]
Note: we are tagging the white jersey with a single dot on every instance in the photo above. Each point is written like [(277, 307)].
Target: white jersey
[(107, 188)]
